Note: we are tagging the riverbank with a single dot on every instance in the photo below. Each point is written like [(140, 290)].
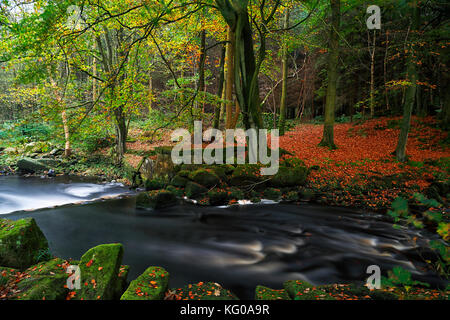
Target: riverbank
[(36, 274)]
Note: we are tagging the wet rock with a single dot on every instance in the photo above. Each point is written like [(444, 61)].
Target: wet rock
[(151, 285), (156, 199), (21, 243)]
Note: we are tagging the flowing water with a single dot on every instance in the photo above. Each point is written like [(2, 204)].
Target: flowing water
[(238, 247)]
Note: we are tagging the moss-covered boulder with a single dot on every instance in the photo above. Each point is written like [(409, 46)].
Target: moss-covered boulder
[(179, 181), (21, 243), (202, 291), (29, 165), (264, 293), (100, 268), (45, 281), (154, 184), (194, 190), (205, 177), (290, 177), (218, 197), (156, 199), (272, 194), (151, 285), (246, 174)]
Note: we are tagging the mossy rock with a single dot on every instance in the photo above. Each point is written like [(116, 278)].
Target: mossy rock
[(156, 199), (289, 177), (31, 165), (194, 190), (203, 291), (46, 281), (20, 243), (292, 196), (151, 285), (272, 194), (184, 173), (264, 293), (100, 267), (205, 177), (218, 197), (246, 174), (307, 194), (179, 181), (122, 283), (302, 290), (154, 184)]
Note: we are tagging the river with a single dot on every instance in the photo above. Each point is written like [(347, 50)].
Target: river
[(238, 247)]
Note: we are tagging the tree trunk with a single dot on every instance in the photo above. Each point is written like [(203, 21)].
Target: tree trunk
[(230, 79), (372, 75), (410, 94), (282, 123), (333, 59), (220, 88)]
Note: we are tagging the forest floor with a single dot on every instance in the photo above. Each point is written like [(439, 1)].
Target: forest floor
[(362, 171)]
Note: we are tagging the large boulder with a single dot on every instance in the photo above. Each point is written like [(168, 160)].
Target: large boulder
[(29, 165), (246, 174), (22, 243), (204, 177), (201, 291), (162, 168), (45, 281), (156, 199), (290, 177), (100, 268), (193, 190), (151, 285)]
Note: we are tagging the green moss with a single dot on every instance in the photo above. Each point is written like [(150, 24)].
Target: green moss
[(45, 281), (264, 293), (154, 184), (293, 163), (204, 177), (194, 190), (183, 173), (20, 243), (122, 283), (179, 181), (151, 285), (217, 198), (246, 174), (100, 267), (156, 199), (272, 194), (289, 177), (203, 291)]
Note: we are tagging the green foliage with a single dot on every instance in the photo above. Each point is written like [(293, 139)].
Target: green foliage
[(400, 277)]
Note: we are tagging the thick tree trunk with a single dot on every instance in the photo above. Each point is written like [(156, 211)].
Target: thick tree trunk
[(282, 123), (333, 59), (372, 75)]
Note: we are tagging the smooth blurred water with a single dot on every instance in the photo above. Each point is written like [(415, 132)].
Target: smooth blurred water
[(238, 247), (31, 193)]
